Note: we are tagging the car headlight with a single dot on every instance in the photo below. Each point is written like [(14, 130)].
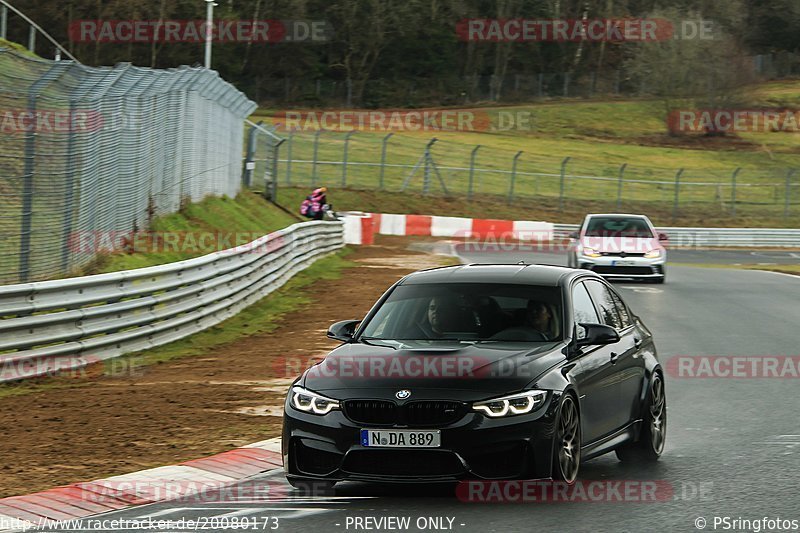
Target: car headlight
[(516, 404), (311, 402), (590, 252), (652, 254)]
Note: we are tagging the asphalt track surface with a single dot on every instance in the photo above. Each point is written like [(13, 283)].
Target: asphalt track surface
[(733, 445)]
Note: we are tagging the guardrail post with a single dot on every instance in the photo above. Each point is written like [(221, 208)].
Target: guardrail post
[(677, 192), (383, 158), (513, 178), (344, 159), (561, 186), (471, 171), (788, 194), (733, 191), (314, 162), (249, 164), (289, 158), (619, 185)]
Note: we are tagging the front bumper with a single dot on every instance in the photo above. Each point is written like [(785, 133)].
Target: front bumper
[(610, 266), (475, 447)]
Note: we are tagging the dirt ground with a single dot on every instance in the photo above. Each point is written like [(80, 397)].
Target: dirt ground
[(187, 408)]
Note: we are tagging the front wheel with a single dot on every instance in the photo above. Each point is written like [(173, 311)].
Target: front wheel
[(567, 445), (650, 445)]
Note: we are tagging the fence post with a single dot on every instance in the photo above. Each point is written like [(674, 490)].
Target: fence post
[(788, 192), (289, 158), (677, 189), (619, 185), (3, 21), (314, 161), (472, 171), (426, 181), (69, 195), (561, 187), (513, 178), (383, 157), (26, 207), (566, 84), (733, 190), (349, 102), (344, 159), (272, 186), (249, 164), (32, 39)]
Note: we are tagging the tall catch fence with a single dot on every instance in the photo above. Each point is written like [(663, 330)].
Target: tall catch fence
[(90, 154)]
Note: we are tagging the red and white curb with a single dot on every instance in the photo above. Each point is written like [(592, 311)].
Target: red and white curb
[(81, 500), (360, 228)]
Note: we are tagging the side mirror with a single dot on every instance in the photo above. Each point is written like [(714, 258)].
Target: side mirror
[(597, 334), (573, 235), (663, 237), (343, 331)]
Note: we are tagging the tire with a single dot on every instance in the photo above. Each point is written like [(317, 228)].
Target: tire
[(651, 441), (567, 442), (312, 486)]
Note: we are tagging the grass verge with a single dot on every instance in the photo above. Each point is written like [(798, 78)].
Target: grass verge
[(225, 219)]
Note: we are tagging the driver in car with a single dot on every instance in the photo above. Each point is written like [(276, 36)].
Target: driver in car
[(538, 317), (433, 323)]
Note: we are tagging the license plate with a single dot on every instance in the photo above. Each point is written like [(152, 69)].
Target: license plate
[(623, 263), (400, 438)]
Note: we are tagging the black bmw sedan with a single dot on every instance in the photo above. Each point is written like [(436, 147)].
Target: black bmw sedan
[(479, 372)]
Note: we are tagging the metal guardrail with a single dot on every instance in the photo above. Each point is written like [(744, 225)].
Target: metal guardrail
[(64, 324), (713, 237)]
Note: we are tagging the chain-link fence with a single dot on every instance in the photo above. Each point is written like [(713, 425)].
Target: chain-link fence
[(89, 154), (390, 162)]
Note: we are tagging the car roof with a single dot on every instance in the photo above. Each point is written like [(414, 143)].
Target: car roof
[(630, 215), (523, 274)]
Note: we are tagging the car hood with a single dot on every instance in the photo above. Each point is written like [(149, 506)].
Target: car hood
[(467, 371), (621, 244)]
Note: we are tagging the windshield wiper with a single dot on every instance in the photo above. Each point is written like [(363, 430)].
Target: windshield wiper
[(366, 340)]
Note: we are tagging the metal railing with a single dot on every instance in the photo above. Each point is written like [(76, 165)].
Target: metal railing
[(398, 163), (86, 149), (56, 325), (714, 237)]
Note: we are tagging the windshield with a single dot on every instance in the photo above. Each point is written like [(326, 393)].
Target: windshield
[(618, 227), (468, 312)]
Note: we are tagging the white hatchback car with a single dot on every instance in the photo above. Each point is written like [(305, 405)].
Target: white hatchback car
[(619, 246)]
